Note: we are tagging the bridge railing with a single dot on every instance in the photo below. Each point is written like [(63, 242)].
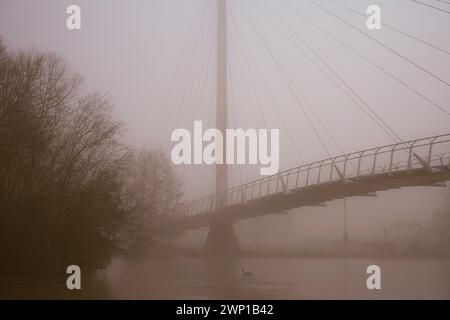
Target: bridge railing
[(390, 159)]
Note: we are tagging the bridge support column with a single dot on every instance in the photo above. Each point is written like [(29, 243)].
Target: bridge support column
[(222, 240)]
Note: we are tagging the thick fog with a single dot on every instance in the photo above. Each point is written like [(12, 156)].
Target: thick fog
[(156, 60)]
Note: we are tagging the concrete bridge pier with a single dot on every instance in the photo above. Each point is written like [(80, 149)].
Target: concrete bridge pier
[(222, 240)]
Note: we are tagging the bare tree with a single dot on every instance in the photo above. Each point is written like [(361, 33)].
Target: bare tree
[(70, 191), (152, 194)]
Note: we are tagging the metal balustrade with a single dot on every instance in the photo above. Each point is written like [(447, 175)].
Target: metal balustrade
[(402, 157)]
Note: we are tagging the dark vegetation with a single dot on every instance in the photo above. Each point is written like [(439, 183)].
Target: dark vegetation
[(70, 191)]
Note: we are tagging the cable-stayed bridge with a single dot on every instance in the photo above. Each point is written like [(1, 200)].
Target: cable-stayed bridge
[(422, 162), (402, 163)]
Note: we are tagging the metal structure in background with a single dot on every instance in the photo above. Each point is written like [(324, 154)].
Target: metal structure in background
[(430, 155)]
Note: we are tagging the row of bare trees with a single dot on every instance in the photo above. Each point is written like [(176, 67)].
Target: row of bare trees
[(70, 191)]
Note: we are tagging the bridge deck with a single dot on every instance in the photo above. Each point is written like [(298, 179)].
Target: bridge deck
[(317, 195), (422, 162)]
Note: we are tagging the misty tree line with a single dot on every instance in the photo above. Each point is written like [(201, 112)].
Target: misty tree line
[(70, 191)]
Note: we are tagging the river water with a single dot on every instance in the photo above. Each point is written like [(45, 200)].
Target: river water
[(272, 278), (277, 278)]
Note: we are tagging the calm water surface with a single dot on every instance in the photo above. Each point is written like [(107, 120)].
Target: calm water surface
[(277, 278), (272, 278)]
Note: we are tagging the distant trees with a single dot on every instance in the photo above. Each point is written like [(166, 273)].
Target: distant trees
[(70, 191), (152, 196)]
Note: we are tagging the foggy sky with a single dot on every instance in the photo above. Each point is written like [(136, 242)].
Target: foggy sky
[(131, 50)]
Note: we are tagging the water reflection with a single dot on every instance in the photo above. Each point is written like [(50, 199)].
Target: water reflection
[(54, 287), (282, 278), (221, 277), (272, 278)]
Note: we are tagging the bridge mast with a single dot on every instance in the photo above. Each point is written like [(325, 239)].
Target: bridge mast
[(222, 240), (222, 97)]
